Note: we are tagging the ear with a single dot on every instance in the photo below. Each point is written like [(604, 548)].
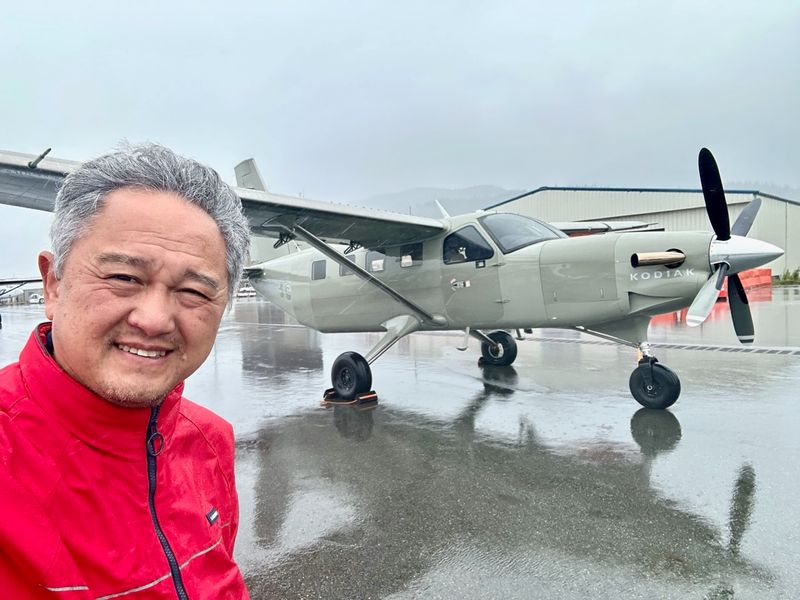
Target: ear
[(47, 271)]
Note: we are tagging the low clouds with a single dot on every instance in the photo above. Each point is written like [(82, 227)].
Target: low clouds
[(341, 101)]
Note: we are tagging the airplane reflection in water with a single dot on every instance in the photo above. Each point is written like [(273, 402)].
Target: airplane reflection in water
[(384, 501), (282, 346)]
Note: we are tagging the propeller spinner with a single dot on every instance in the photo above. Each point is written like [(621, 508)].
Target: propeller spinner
[(730, 253)]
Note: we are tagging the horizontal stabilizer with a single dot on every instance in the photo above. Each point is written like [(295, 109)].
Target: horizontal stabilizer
[(253, 270)]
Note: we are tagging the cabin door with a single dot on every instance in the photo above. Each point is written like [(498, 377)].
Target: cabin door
[(470, 279)]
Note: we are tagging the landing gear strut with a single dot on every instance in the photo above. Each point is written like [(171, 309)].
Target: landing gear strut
[(652, 384), (351, 375)]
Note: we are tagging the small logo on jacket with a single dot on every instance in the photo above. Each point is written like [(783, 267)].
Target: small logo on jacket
[(212, 516)]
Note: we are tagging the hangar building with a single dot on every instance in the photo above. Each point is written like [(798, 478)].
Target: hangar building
[(778, 221)]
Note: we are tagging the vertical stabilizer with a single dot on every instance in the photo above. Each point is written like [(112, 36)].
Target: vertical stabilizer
[(248, 176)]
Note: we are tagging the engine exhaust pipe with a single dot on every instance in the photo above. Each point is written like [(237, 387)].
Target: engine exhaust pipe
[(670, 258)]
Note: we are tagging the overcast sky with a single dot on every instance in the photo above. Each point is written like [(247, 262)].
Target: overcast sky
[(343, 100)]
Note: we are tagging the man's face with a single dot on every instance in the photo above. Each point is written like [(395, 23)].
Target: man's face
[(141, 296)]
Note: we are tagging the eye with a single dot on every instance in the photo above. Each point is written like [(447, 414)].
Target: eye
[(195, 293), (123, 278)]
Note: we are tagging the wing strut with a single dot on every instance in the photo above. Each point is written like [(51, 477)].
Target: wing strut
[(320, 245)]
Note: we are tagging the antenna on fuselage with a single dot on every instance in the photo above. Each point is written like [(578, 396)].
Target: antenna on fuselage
[(442, 209)]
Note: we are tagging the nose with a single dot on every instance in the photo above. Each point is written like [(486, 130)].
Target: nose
[(154, 313), (743, 253)]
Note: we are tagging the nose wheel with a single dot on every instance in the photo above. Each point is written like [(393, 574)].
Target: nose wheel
[(653, 385)]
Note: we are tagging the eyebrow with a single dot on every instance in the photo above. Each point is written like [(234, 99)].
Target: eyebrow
[(126, 259), (143, 263), (200, 278)]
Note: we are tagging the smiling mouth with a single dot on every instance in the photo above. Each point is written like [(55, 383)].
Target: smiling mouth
[(142, 352)]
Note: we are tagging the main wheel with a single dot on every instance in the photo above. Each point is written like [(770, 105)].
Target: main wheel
[(503, 352), (351, 375), (654, 385)]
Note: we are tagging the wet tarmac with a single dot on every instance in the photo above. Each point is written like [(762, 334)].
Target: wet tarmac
[(541, 480)]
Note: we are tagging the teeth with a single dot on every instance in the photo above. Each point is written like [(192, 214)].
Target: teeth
[(141, 352)]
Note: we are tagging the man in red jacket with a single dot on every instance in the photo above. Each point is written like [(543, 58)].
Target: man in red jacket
[(112, 485)]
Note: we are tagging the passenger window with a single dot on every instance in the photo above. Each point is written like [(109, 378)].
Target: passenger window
[(376, 261), (343, 270), (411, 255), (318, 270), (465, 245)]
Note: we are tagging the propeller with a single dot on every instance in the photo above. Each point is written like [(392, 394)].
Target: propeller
[(730, 253), (714, 195), (741, 507)]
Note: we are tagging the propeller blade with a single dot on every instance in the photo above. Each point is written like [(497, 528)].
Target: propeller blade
[(714, 195), (745, 219), (740, 310), (742, 504), (706, 297)]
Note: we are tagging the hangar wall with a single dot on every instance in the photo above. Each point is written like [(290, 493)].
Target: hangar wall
[(778, 221)]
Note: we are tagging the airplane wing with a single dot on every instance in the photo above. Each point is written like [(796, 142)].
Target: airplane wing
[(31, 186), (36, 187), (15, 284), (335, 223)]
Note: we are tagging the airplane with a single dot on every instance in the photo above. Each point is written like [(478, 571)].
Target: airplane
[(486, 273), (15, 283)]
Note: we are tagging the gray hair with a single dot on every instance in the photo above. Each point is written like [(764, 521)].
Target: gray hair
[(150, 167)]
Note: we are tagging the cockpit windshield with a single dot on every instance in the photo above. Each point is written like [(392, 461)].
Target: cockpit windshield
[(512, 232)]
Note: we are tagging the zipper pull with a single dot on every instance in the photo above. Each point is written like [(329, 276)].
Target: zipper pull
[(155, 441)]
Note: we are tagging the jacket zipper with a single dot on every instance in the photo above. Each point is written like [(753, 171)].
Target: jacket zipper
[(154, 444)]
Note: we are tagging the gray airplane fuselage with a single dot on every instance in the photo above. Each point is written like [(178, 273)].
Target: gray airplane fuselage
[(567, 282)]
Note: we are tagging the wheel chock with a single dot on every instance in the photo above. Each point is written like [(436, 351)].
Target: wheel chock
[(366, 400)]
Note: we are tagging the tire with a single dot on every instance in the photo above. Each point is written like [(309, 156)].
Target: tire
[(654, 386), (505, 354), (350, 375)]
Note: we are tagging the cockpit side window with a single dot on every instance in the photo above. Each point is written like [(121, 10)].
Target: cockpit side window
[(512, 232), (465, 245)]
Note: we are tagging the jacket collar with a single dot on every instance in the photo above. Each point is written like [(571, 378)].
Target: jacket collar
[(87, 416)]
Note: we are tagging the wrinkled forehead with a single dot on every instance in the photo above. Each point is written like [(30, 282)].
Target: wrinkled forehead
[(165, 220)]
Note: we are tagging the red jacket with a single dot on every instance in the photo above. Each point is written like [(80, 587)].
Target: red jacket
[(79, 514)]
